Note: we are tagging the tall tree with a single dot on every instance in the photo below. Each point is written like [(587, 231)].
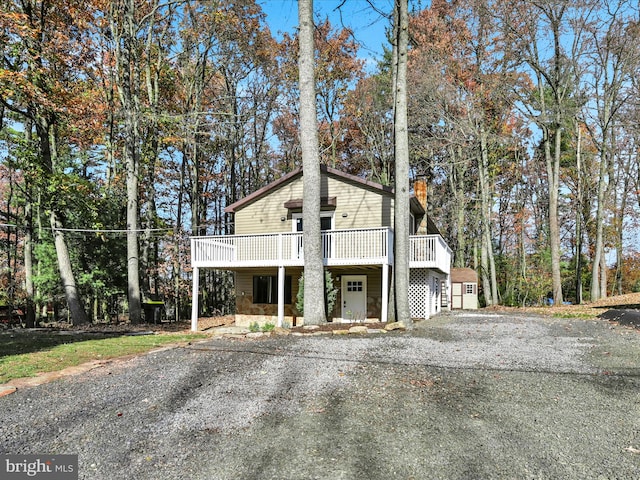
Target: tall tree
[(227, 91), (369, 142), (125, 30), (314, 307), (336, 69), (612, 60), (548, 37), (39, 85), (401, 136), (462, 119)]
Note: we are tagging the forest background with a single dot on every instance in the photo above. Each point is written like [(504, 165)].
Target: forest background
[(127, 126)]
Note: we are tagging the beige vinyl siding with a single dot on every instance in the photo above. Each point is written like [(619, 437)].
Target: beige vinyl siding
[(374, 283), (244, 282), (364, 207), (263, 215), (374, 293)]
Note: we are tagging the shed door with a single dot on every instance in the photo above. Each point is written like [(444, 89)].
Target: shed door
[(456, 295)]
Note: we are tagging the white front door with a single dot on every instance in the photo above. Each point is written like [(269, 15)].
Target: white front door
[(354, 297)]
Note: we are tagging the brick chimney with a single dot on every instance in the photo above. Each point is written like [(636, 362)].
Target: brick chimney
[(420, 192)]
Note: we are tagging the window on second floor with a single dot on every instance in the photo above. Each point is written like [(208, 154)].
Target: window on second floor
[(326, 221)]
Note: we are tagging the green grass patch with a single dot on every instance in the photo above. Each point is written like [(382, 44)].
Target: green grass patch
[(579, 316), (25, 354)]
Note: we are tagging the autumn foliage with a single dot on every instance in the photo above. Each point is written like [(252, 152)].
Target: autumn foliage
[(149, 117)]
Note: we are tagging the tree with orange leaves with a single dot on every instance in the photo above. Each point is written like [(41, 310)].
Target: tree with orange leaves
[(337, 68), (462, 107), (44, 83)]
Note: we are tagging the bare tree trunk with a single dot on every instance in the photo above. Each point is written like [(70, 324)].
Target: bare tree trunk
[(314, 305), (553, 172), (39, 225), (580, 200), (76, 310), (133, 261), (603, 277), (456, 183), (619, 217), (177, 238), (30, 314), (553, 162), (596, 290), (152, 153), (123, 28), (491, 295), (48, 150), (484, 271), (401, 204)]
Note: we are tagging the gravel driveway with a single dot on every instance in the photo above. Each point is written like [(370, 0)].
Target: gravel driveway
[(464, 396)]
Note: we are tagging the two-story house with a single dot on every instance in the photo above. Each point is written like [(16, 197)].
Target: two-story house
[(267, 252)]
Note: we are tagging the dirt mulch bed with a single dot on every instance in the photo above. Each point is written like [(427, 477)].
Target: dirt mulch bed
[(181, 327)]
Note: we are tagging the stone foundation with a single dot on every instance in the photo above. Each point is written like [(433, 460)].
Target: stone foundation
[(244, 320), (261, 313)]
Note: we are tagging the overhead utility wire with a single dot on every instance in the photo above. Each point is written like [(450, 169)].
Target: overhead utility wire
[(136, 230)]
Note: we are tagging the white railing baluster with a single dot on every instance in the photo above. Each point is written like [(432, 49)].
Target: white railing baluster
[(367, 246)]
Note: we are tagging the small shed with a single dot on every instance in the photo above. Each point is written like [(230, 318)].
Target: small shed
[(464, 289)]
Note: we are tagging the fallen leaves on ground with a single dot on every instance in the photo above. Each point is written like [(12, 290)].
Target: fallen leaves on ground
[(591, 309)]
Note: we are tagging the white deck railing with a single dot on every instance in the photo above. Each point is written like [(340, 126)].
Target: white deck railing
[(429, 251), (367, 246)]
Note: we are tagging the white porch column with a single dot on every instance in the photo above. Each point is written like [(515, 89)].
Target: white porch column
[(194, 299), (385, 293), (280, 295)]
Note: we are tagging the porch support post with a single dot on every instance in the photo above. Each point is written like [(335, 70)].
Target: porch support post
[(194, 299), (280, 295), (385, 292)]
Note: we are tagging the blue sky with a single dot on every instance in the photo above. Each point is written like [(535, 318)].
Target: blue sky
[(367, 24)]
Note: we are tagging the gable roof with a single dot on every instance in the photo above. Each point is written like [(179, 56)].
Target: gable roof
[(464, 275), (415, 205), (289, 177)]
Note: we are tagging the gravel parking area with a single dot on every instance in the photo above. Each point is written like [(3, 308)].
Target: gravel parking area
[(464, 396)]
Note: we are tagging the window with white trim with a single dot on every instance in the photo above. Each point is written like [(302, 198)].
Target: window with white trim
[(326, 221)]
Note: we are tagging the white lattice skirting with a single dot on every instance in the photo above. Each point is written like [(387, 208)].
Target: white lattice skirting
[(424, 292)]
